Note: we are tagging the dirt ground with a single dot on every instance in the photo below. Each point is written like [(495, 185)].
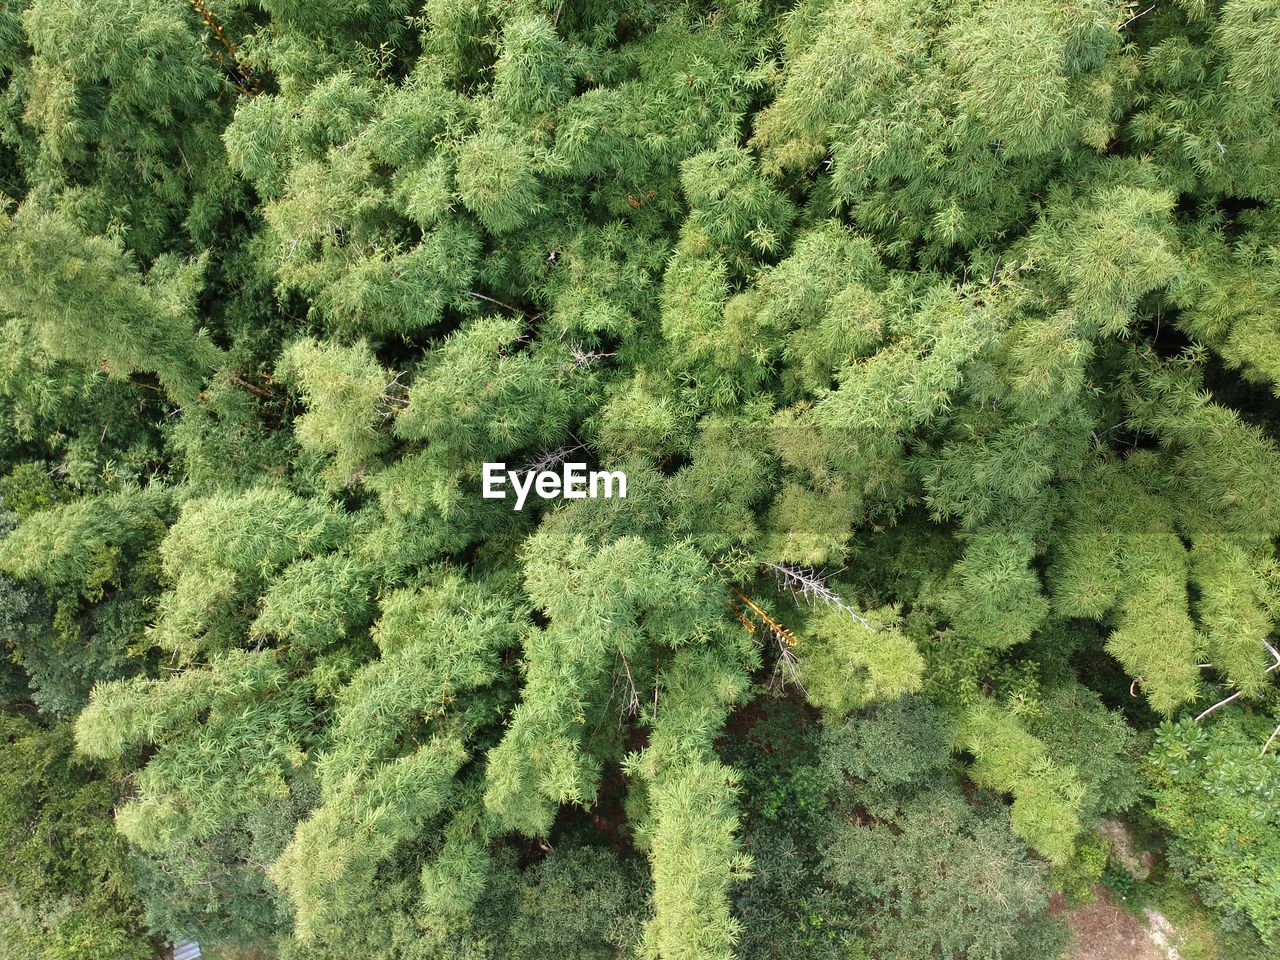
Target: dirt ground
[(1105, 931)]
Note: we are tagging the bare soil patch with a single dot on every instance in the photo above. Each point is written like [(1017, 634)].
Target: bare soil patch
[(1102, 930)]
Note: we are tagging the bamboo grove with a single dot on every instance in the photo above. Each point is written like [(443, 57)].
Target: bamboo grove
[(939, 341)]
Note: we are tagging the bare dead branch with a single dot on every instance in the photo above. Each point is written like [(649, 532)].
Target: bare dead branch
[(553, 458), (1240, 693), (266, 394), (811, 585), (1274, 733), (583, 357), (394, 398), (1136, 16), (1220, 704), (502, 303), (786, 668), (631, 705)]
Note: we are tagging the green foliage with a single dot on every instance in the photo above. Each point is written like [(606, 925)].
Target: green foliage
[(994, 597), (944, 880), (66, 889), (497, 181), (243, 706), (611, 610), (85, 546), (582, 903), (350, 397), (786, 910), (1081, 733), (339, 846), (377, 791), (855, 662), (88, 567), (1047, 797), (1086, 868), (938, 344), (123, 109), (935, 874), (88, 302), (481, 396), (695, 860), (28, 488), (1215, 797), (219, 555), (908, 109), (316, 602), (228, 443)]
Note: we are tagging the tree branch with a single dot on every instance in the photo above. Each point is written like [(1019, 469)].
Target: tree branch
[(813, 587), (1240, 693)]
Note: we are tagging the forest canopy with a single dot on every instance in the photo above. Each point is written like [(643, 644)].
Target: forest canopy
[(938, 342)]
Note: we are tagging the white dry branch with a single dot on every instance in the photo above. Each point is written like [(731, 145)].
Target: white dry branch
[(631, 706), (582, 357), (786, 668), (811, 585), (393, 399), (553, 458), (1271, 739), (1275, 655)]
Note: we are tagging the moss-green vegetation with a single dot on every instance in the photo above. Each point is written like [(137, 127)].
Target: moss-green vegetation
[(938, 341)]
